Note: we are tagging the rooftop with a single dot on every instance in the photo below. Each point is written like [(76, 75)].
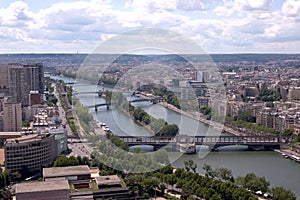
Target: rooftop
[(26, 139), (10, 134), (108, 180), (65, 171), (42, 186)]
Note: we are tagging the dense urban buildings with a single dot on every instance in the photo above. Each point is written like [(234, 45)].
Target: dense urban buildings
[(17, 80)]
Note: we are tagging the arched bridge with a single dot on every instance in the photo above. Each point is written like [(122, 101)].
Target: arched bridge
[(253, 142)]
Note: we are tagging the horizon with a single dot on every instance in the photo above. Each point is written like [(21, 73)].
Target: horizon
[(52, 53)]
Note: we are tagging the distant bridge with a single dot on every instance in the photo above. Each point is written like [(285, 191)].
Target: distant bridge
[(140, 100), (213, 142), (99, 105), (76, 93), (153, 100)]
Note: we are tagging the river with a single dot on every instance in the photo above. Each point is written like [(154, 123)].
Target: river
[(276, 169)]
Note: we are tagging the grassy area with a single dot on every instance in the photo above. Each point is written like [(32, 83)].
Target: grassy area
[(93, 187)]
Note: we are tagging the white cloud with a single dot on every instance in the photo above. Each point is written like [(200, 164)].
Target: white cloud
[(228, 26), (291, 8), (251, 5)]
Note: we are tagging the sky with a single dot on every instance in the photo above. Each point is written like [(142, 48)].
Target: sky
[(218, 26)]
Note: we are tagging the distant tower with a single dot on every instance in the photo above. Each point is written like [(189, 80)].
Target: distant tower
[(199, 76)]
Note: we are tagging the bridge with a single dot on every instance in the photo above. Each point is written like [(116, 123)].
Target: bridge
[(76, 93), (99, 105), (213, 142), (140, 100), (153, 100)]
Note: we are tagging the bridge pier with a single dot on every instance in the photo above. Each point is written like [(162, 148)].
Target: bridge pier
[(96, 108), (107, 107)]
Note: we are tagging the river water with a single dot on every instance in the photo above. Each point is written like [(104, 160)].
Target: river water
[(276, 169)]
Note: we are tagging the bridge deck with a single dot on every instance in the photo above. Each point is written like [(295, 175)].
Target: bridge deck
[(204, 140)]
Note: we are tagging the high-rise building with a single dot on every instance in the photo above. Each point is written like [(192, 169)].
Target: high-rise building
[(17, 80), (12, 115)]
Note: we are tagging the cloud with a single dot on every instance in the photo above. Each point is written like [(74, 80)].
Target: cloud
[(16, 15), (291, 8), (152, 6), (219, 26), (251, 5)]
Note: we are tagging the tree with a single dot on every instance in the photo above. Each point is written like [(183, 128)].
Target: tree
[(63, 161), (279, 193), (25, 123), (157, 125), (190, 165), (253, 183), (246, 116), (205, 110), (169, 130), (225, 174), (149, 184), (287, 132), (171, 179), (209, 172)]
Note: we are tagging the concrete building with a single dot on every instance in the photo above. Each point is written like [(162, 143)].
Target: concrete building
[(72, 173), (12, 115), (294, 93), (108, 181), (33, 151), (34, 98), (17, 80), (58, 190)]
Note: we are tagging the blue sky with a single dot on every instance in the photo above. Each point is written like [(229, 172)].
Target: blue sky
[(218, 26)]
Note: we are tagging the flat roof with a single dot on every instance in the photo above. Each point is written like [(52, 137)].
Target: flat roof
[(27, 138), (108, 180), (8, 135), (66, 171), (42, 186)]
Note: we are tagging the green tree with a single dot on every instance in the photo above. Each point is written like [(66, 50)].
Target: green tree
[(280, 193), (287, 132), (225, 174), (253, 183), (149, 184), (25, 123), (246, 116), (157, 125), (169, 130), (209, 172), (190, 165)]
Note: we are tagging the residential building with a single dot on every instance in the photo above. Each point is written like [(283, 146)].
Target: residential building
[(12, 115)]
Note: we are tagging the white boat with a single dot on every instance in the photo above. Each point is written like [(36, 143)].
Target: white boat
[(187, 148)]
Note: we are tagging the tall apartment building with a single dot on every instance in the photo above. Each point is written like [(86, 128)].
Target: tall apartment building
[(17, 80), (10, 115)]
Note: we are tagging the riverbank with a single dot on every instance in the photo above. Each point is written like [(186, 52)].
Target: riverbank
[(197, 116)]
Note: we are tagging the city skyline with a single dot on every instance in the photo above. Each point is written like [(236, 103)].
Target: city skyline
[(71, 26)]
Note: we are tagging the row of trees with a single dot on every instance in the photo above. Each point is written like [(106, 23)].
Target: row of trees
[(169, 96), (250, 182), (250, 126), (159, 126)]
